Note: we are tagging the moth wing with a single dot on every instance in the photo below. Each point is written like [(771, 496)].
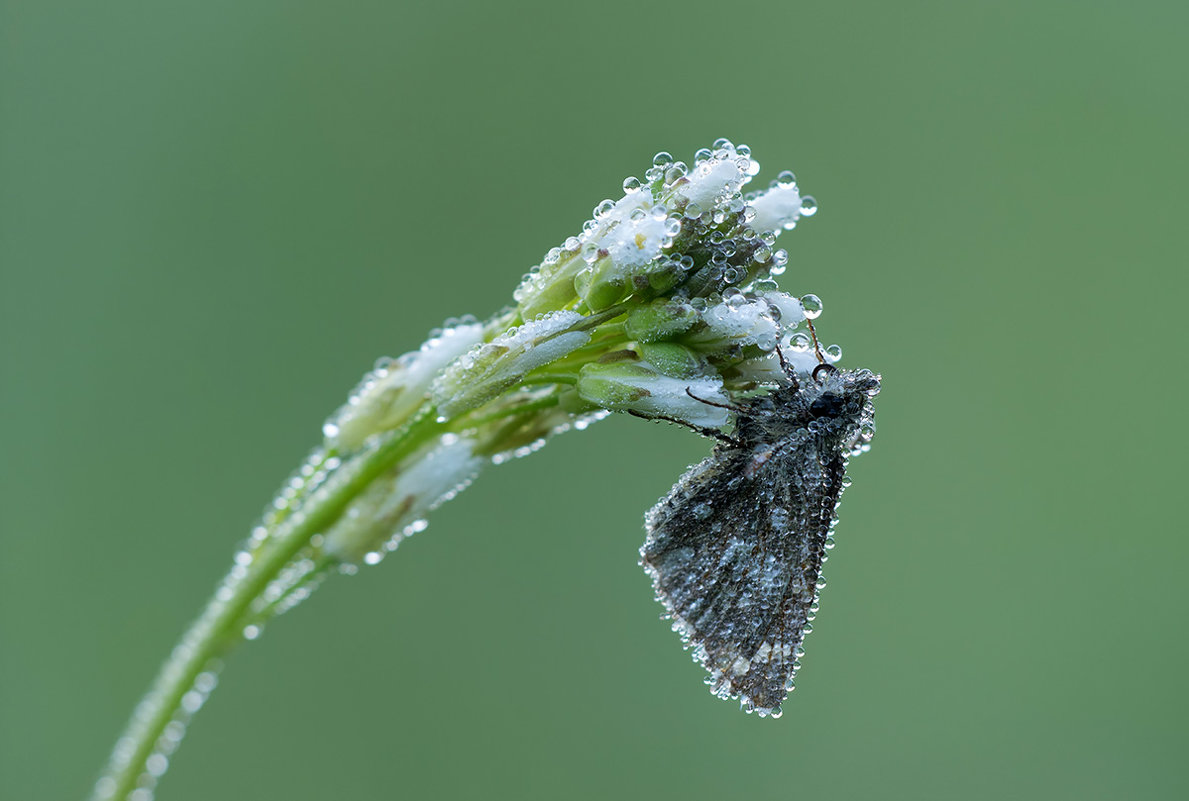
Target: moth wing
[(735, 551)]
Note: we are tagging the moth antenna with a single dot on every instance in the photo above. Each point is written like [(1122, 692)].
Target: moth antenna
[(817, 348), (728, 406), (823, 368)]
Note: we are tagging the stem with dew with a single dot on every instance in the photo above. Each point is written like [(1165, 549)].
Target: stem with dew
[(220, 626)]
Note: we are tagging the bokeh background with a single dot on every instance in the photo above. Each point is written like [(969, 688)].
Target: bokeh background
[(214, 217)]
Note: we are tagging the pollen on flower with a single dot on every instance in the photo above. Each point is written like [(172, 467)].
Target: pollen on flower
[(637, 240)]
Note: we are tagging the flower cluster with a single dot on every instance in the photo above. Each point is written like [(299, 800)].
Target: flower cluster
[(663, 305)]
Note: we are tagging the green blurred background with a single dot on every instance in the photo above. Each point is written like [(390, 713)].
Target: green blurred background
[(214, 216)]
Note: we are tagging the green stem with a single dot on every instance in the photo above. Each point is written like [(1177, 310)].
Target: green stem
[(221, 624)]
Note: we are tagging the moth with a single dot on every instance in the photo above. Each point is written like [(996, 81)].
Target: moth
[(735, 550)]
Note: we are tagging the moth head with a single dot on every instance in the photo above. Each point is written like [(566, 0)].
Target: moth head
[(841, 393), (846, 396)]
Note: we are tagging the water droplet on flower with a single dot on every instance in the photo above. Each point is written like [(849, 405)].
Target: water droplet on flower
[(786, 178), (808, 206), (833, 352), (631, 184), (812, 305), (662, 159)]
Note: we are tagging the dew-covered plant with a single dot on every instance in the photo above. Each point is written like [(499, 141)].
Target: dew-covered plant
[(662, 306)]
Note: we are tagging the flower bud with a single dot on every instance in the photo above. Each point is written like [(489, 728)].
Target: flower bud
[(391, 392), (491, 368), (640, 387), (673, 359), (395, 506), (602, 284), (550, 286), (661, 319)]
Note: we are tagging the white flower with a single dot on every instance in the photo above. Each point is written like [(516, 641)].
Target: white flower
[(714, 179), (790, 309), (640, 387), (684, 399), (744, 324), (777, 208), (637, 240)]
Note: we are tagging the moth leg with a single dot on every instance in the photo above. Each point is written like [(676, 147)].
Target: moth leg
[(787, 368), (713, 433)]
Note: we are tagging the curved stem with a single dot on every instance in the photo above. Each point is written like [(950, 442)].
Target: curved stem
[(220, 625)]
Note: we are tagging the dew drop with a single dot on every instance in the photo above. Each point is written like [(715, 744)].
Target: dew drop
[(812, 305), (808, 206), (833, 352), (631, 184), (156, 765), (662, 159), (786, 178)]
